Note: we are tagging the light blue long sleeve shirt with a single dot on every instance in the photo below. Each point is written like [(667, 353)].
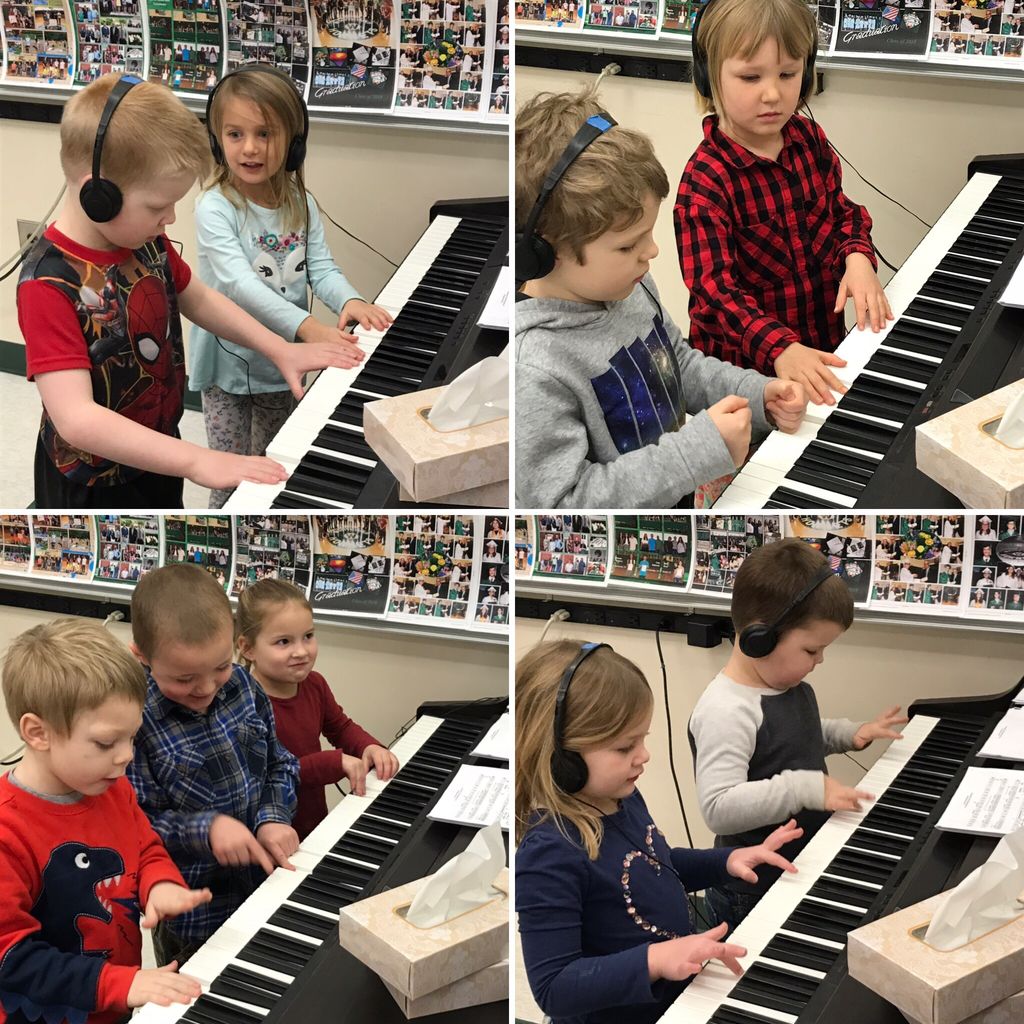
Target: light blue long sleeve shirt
[(247, 255)]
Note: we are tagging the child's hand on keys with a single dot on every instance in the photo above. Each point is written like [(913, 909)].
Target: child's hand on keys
[(880, 728), (785, 401), (168, 899), (860, 283), (280, 841), (742, 861), (731, 416), (381, 759), (353, 769), (681, 958), (312, 332), (233, 845), (809, 367), (221, 470), (843, 798), (162, 986), (367, 315)]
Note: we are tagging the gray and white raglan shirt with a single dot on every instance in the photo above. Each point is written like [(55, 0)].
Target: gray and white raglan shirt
[(602, 392), (759, 760)]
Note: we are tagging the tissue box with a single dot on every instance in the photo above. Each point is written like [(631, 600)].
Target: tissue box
[(956, 452), (430, 463), (488, 496), (486, 986), (421, 960), (976, 982)]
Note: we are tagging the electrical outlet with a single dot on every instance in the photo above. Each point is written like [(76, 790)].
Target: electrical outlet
[(26, 231)]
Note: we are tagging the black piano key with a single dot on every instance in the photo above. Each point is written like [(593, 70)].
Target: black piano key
[(862, 867), (247, 987), (774, 988), (732, 1015), (350, 409), (774, 503), (854, 401), (849, 462), (903, 367), (954, 264), (376, 826), (848, 430), (276, 952), (301, 921), (373, 850), (786, 498), (937, 312), (209, 1009), (325, 475), (925, 332), (953, 288), (902, 798), (842, 892), (830, 482), (347, 442), (289, 499), (804, 954), (900, 399), (922, 781), (936, 349), (387, 384), (971, 245), (891, 845), (310, 896), (830, 923), (327, 883)]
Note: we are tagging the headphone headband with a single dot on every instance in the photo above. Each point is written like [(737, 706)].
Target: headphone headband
[(568, 769), (99, 197)]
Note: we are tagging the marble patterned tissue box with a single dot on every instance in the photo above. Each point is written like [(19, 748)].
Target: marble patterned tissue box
[(488, 496), (431, 463), (957, 452), (979, 982), (421, 960), (486, 986)]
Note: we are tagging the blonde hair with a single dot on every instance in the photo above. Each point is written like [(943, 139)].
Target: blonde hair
[(152, 135), (281, 108), (604, 188), (62, 668), (608, 694), (256, 601), (736, 29), (178, 603)]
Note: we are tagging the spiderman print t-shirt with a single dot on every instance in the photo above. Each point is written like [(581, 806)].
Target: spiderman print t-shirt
[(115, 314)]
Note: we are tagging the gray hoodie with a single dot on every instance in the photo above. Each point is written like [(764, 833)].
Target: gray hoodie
[(601, 393)]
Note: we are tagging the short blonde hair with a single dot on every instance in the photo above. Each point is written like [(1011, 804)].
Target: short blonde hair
[(152, 135), (604, 189), (736, 29), (62, 668), (178, 604)]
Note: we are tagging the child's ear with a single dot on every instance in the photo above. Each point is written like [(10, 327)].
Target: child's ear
[(35, 732), (139, 656)]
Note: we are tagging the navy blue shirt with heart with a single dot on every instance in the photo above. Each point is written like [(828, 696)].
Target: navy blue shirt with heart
[(585, 925)]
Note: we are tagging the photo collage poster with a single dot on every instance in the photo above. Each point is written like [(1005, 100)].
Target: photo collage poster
[(996, 567), (200, 540), (572, 547), (15, 543), (845, 541), (679, 15), (351, 564), (354, 44), (628, 17), (883, 28), (271, 547), (129, 547), (918, 562), (492, 596), (442, 56), (977, 31), (109, 38), (524, 545), (653, 550), (722, 543), (270, 33), (37, 41), (185, 43), (63, 545), (552, 15), (498, 105), (433, 573)]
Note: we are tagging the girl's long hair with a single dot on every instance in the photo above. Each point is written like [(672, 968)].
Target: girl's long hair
[(608, 694), (281, 107)]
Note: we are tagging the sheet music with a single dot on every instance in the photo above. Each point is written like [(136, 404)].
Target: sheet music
[(476, 796), (1014, 292), (1019, 698), (1007, 739), (988, 802), (496, 312), (497, 743)]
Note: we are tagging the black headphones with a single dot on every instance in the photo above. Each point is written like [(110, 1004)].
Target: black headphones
[(568, 769), (534, 255), (296, 148), (759, 639), (99, 197), (702, 77)]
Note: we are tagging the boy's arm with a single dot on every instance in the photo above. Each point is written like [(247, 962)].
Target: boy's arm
[(278, 799), (838, 734), (553, 468)]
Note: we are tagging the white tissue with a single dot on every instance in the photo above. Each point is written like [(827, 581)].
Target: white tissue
[(463, 883), (477, 396), (985, 899), (1011, 427)]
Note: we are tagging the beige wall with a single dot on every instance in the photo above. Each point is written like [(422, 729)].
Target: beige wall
[(379, 182), (912, 135)]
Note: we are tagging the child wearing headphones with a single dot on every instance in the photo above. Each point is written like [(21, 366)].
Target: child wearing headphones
[(261, 241), (99, 299), (601, 896), (604, 379), (757, 739), (770, 246)]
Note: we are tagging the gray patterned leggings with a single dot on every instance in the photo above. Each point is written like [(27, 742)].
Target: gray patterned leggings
[(242, 424)]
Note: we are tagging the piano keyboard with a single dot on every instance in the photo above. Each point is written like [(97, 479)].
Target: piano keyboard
[(249, 963), (322, 444), (831, 458), (798, 929)]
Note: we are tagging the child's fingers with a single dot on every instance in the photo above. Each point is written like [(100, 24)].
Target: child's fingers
[(258, 854)]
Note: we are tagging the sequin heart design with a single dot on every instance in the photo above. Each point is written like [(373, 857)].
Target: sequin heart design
[(649, 859)]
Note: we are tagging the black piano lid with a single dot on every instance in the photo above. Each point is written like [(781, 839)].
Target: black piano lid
[(934, 863)]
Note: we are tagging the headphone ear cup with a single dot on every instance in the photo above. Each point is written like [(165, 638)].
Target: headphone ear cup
[(218, 153), (100, 199), (699, 74), (296, 154), (534, 257), (758, 640), (568, 770)]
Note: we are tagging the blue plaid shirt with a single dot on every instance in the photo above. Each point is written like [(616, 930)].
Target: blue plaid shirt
[(189, 767)]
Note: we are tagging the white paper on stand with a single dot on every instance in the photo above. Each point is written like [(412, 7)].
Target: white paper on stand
[(1019, 698), (476, 796), (988, 802), (1007, 739), (497, 743), (496, 311), (1013, 294)]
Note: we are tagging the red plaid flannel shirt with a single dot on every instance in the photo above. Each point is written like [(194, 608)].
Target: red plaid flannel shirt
[(763, 245)]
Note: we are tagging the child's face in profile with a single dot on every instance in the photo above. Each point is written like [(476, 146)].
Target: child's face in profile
[(798, 653), (192, 674), (613, 770), (146, 212)]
